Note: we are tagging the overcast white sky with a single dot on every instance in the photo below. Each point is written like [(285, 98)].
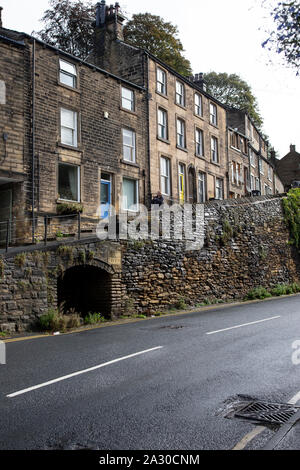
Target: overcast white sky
[(224, 36)]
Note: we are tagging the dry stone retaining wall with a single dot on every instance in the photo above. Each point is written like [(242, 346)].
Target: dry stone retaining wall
[(246, 246)]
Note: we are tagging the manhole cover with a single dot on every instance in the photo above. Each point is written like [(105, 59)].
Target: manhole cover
[(270, 413), (172, 327)]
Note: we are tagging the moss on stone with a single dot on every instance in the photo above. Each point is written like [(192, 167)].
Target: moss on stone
[(291, 209)]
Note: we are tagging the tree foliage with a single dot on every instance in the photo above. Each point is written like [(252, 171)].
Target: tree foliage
[(158, 37), (285, 39), (68, 25), (232, 91)]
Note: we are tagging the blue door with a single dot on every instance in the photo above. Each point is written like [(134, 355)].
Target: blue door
[(105, 198)]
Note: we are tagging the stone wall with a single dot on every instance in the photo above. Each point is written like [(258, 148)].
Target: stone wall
[(29, 279), (246, 246)]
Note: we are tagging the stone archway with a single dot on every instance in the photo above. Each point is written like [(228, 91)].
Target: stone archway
[(85, 288)]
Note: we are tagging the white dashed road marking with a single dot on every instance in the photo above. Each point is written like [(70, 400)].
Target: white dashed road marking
[(45, 384)]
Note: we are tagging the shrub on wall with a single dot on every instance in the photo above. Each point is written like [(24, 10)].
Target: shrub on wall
[(291, 209)]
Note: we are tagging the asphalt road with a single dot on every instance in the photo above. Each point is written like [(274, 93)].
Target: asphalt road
[(174, 397)]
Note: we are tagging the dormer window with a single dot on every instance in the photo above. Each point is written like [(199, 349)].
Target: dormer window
[(67, 73)]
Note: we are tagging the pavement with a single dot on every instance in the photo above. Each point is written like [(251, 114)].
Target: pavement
[(165, 383)]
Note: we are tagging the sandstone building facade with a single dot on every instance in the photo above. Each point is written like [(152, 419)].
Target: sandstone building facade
[(199, 148), (245, 142), (113, 131), (72, 136)]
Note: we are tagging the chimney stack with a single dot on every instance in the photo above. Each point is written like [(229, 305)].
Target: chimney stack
[(110, 18), (108, 33), (1, 17), (198, 79), (100, 13), (292, 148)]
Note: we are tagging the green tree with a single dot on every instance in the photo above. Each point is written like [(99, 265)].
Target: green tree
[(68, 25), (285, 39), (232, 91), (158, 37)]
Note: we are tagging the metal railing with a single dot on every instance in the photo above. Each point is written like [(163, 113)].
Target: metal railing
[(17, 232)]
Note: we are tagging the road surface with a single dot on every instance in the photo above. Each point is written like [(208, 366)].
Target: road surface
[(163, 383)]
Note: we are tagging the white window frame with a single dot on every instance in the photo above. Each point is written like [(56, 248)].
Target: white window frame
[(238, 173), (78, 182), (65, 68), (270, 178), (162, 127), (180, 132), (213, 114), (233, 172), (214, 149), (199, 142), (74, 129), (202, 183), (180, 93), (261, 166), (161, 85), (132, 147), (219, 188), (165, 176), (136, 205), (126, 100), (257, 184), (198, 105)]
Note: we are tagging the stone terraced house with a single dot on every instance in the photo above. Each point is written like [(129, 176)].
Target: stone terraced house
[(245, 140), (72, 137), (288, 168), (112, 130), (200, 149)]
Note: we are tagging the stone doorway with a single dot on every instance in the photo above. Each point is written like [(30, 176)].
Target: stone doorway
[(192, 185), (5, 213), (85, 289)]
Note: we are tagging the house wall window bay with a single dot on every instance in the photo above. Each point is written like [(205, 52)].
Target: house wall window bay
[(68, 182), (130, 194)]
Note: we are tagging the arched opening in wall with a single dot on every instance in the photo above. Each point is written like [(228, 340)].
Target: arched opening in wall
[(85, 289), (192, 185)]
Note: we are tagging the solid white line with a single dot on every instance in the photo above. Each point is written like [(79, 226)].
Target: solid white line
[(45, 384), (295, 399), (245, 324)]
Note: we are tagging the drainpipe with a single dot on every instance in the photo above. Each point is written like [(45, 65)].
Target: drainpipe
[(227, 156), (148, 129), (33, 141), (260, 160)]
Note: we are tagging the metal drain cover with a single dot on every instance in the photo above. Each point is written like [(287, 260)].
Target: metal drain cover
[(270, 413), (172, 327)]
